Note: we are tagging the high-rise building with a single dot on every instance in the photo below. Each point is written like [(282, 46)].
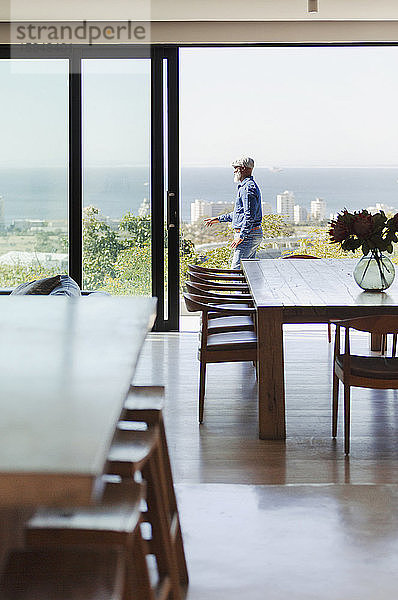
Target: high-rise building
[(285, 205), (300, 214), (318, 209), (201, 209)]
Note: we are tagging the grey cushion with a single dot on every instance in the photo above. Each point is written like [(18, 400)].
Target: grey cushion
[(67, 287), (98, 294), (37, 286)]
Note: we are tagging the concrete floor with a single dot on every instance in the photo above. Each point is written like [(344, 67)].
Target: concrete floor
[(298, 542), (287, 520)]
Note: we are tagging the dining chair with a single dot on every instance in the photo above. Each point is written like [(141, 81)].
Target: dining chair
[(228, 346), (293, 256), (224, 322), (376, 372)]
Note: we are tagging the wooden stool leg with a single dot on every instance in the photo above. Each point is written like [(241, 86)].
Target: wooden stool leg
[(157, 508), (137, 583), (144, 405), (172, 507)]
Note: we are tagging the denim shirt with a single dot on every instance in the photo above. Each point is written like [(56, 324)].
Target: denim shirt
[(247, 212)]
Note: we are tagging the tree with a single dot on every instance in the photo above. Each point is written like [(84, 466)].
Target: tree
[(138, 230), (101, 246)]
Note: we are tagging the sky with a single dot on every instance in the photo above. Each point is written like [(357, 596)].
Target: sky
[(309, 107), (290, 106)]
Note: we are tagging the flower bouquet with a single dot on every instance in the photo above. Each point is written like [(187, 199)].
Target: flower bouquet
[(374, 234)]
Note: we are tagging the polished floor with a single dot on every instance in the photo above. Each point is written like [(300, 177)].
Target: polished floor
[(299, 542), (277, 520)]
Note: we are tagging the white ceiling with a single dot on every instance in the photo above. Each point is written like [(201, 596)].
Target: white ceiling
[(196, 10)]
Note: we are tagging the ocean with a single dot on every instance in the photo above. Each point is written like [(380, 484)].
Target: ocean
[(41, 193)]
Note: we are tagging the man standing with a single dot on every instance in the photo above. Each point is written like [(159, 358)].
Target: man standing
[(247, 214)]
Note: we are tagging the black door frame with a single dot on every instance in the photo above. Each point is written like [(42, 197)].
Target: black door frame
[(158, 54)]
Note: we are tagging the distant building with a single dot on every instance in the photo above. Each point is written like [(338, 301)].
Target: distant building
[(2, 223), (201, 209), (285, 205), (145, 208), (379, 206), (300, 214), (266, 208), (318, 209)]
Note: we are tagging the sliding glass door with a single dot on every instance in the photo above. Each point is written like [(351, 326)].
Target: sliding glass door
[(33, 169), (89, 169)]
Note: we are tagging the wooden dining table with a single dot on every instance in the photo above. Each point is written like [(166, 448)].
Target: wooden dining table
[(300, 291), (66, 365)]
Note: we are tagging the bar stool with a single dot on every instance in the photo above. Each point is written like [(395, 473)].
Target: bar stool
[(144, 404), (137, 453), (63, 574), (131, 454), (116, 522)]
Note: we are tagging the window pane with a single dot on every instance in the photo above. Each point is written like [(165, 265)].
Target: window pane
[(116, 176), (33, 169)]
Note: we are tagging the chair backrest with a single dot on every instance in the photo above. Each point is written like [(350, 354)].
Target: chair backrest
[(381, 324), (208, 278), (300, 256), (195, 303), (216, 286), (214, 271), (203, 291)]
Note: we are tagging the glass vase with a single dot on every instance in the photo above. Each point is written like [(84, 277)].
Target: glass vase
[(374, 272)]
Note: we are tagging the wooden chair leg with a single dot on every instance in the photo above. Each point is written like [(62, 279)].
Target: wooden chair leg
[(347, 418), (202, 388), (329, 333), (383, 344), (335, 406)]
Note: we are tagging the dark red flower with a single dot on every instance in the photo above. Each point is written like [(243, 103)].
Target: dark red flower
[(363, 225), (394, 222), (340, 228)]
